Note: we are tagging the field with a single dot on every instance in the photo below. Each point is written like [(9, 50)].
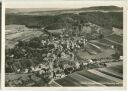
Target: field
[(94, 77), (101, 48), (98, 50), (110, 76), (112, 39), (15, 33), (116, 38)]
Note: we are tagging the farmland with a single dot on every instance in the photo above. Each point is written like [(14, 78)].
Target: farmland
[(24, 34), (110, 76), (94, 77), (116, 38), (101, 47)]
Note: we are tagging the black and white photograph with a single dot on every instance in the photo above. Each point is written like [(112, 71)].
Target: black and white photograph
[(64, 46)]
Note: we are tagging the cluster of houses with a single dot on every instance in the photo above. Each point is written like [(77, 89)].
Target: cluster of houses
[(61, 58)]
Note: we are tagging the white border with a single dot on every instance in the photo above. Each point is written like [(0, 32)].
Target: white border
[(3, 46), (59, 4), (66, 88)]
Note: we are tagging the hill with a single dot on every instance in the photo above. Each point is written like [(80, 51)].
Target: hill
[(56, 11), (104, 16)]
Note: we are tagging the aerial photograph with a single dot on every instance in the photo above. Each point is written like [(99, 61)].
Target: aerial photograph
[(64, 47)]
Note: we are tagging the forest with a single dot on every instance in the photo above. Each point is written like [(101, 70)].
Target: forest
[(106, 20)]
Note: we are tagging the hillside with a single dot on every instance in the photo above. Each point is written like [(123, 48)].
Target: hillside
[(107, 19)]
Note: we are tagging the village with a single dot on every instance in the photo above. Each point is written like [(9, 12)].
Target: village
[(59, 55), (65, 47)]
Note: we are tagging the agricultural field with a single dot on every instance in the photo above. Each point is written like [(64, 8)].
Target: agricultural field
[(15, 33), (110, 76), (96, 49), (99, 77), (101, 48), (116, 38)]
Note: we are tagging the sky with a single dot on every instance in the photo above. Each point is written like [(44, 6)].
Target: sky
[(57, 4)]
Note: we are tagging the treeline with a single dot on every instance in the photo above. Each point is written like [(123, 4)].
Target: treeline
[(103, 19), (104, 8), (107, 20)]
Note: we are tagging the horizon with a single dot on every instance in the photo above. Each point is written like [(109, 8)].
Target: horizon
[(50, 9), (58, 4)]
